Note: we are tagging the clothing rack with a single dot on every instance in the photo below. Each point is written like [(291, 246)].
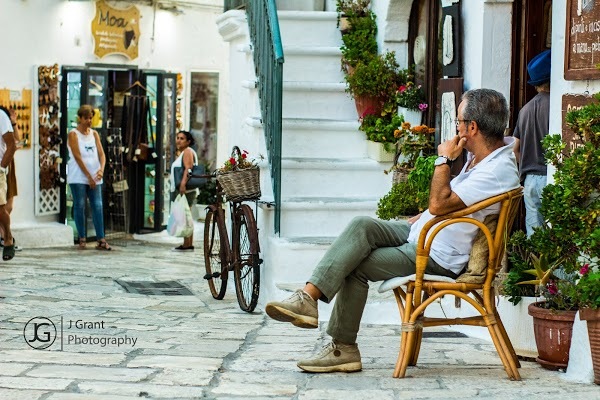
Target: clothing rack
[(138, 84), (116, 190)]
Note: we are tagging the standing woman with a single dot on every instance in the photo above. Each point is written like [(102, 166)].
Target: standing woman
[(85, 170), (187, 158)]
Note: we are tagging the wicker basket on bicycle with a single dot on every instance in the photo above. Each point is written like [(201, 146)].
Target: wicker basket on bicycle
[(242, 181)]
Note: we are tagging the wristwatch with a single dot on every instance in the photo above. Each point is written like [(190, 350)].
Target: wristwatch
[(441, 160)]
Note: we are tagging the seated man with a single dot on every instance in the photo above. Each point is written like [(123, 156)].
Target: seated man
[(372, 250)]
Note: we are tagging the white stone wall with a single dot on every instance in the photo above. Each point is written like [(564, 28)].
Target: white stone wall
[(44, 32)]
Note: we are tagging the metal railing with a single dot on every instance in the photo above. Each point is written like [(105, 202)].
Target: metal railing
[(263, 25)]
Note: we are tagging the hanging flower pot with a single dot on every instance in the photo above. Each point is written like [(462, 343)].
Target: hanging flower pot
[(553, 330), (593, 325)]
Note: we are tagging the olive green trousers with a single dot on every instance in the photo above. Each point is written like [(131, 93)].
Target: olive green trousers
[(367, 250)]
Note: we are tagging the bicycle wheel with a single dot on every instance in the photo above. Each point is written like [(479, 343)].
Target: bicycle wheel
[(246, 271), (216, 252)]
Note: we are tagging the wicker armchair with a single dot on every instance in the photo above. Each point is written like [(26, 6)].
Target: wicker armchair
[(473, 286)]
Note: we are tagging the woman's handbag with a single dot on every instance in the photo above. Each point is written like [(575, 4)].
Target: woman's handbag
[(193, 182)]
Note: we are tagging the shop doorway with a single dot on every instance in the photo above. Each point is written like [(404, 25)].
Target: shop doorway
[(135, 190), (532, 34)]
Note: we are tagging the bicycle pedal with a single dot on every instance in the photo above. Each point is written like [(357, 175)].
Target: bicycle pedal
[(211, 276)]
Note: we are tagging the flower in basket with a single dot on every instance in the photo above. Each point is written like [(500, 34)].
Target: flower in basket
[(411, 96), (412, 142), (239, 161)]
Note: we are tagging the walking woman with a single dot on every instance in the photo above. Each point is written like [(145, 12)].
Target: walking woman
[(85, 171), (187, 158)]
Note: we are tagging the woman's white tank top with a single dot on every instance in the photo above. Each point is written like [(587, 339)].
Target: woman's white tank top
[(89, 154)]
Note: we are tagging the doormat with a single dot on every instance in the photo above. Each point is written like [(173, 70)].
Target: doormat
[(449, 334), (164, 288)]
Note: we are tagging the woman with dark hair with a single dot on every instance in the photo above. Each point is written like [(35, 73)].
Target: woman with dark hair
[(85, 171), (187, 159)]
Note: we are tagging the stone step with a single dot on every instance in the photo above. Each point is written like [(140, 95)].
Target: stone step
[(313, 64), (316, 100), (51, 234), (305, 28), (328, 177), (320, 138)]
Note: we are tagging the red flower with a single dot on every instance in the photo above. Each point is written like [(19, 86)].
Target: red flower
[(232, 161), (552, 288), (402, 88), (244, 155), (585, 269)]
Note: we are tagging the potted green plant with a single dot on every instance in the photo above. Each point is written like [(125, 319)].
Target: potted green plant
[(350, 9), (410, 97), (359, 43), (373, 83), (577, 224), (411, 143), (409, 197), (379, 130)]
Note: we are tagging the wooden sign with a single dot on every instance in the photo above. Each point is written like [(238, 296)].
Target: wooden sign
[(582, 40), (116, 31), (572, 102)]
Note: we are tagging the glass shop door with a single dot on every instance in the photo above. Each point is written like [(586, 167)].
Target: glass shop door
[(78, 87)]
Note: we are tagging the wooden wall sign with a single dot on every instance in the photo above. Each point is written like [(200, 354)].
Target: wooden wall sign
[(116, 31), (572, 102), (582, 40)]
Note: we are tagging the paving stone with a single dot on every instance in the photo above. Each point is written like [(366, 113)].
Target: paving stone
[(16, 394), (20, 382), (13, 369), (142, 390), (346, 394), (254, 389), (183, 377), (91, 373), (82, 396), (176, 361), (60, 357)]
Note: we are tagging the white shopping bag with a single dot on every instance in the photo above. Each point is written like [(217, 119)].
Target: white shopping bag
[(181, 223)]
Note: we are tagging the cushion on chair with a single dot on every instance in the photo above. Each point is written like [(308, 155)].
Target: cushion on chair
[(403, 280), (478, 259)]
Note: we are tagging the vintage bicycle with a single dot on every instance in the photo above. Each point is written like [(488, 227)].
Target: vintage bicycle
[(242, 257)]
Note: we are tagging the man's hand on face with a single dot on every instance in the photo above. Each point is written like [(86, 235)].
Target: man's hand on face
[(452, 148)]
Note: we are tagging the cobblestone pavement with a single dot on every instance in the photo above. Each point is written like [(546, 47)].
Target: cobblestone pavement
[(181, 347)]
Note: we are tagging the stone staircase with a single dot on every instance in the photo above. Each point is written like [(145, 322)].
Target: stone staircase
[(327, 178)]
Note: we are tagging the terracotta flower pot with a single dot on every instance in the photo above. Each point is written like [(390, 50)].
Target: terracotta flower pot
[(368, 105), (593, 324), (553, 330)]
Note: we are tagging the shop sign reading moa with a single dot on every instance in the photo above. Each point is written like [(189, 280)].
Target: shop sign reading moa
[(582, 39), (116, 31)]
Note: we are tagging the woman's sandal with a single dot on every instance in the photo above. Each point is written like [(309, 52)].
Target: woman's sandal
[(102, 245), (82, 244), (8, 252)]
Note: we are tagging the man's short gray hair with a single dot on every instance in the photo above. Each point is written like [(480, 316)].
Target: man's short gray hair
[(489, 109)]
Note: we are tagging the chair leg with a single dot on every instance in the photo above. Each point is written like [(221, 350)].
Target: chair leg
[(403, 354), (417, 346), (511, 349), (508, 362), (406, 355)]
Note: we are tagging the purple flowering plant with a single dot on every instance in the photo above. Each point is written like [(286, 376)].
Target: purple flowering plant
[(411, 96)]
